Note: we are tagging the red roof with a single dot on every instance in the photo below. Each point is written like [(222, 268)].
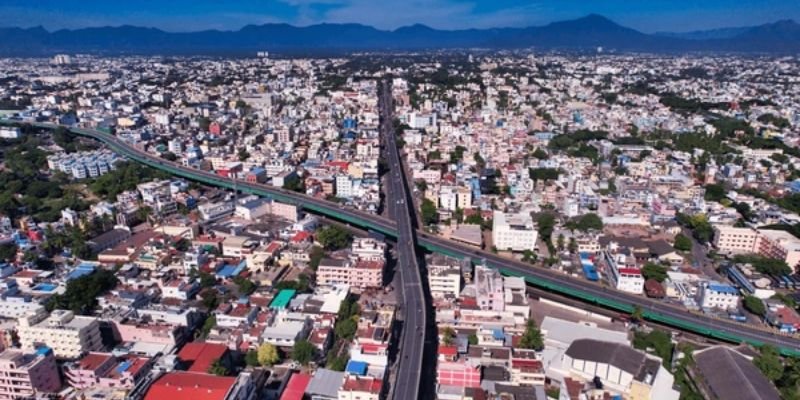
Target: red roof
[(357, 384), (448, 350), (296, 388), (92, 361), (200, 355), (630, 271), (189, 386), (300, 236)]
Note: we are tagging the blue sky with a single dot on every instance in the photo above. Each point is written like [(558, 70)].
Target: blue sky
[(189, 15)]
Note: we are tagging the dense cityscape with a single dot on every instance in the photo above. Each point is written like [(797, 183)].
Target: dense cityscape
[(187, 255)]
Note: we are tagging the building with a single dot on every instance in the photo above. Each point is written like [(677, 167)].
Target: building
[(458, 373), (721, 373), (718, 295), (780, 245), (23, 375), (621, 369), (360, 388), (728, 239), (68, 335), (444, 276), (191, 386), (358, 274), (489, 292), (515, 232), (106, 370)]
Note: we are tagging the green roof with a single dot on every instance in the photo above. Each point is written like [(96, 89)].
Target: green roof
[(283, 298)]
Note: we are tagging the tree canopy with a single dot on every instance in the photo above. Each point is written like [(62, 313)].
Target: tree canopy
[(268, 355), (303, 352), (532, 338), (333, 237)]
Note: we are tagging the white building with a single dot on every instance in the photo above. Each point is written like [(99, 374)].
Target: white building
[(68, 335), (622, 370), (444, 276), (514, 232), (718, 295), (344, 186)]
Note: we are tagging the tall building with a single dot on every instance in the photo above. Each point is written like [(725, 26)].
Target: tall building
[(68, 335), (444, 276), (514, 232), (23, 375)]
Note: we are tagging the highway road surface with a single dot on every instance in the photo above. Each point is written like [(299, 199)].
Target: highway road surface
[(386, 226), (412, 296)]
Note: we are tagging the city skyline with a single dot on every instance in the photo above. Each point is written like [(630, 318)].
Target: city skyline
[(184, 16)]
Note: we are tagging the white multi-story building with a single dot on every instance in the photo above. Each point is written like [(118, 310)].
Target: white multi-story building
[(444, 276), (514, 232), (344, 186), (625, 279), (368, 249), (718, 295), (489, 292), (67, 334)]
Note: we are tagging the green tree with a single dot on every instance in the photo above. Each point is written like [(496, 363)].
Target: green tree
[(540, 154), (472, 339), (573, 245), (8, 252), (251, 358), (303, 352), (333, 237), (338, 363), (654, 271), (448, 336), (682, 243), (755, 305), (658, 340), (345, 329), (769, 362), (532, 338), (217, 368), (268, 355), (637, 314), (208, 325), (428, 212)]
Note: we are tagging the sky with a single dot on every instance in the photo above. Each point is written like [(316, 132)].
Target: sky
[(191, 15)]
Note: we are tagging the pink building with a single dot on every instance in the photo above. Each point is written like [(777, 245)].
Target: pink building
[(360, 274), (150, 333), (106, 370), (458, 373), (24, 375)]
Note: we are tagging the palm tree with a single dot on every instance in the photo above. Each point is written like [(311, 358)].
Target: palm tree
[(637, 314)]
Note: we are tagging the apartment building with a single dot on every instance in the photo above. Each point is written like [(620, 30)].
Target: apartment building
[(515, 232), (444, 276), (368, 249), (775, 244), (68, 335), (718, 295), (359, 274), (23, 375), (728, 239)]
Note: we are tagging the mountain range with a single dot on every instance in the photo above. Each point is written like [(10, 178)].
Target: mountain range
[(586, 33)]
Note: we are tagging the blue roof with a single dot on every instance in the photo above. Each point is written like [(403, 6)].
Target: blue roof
[(498, 334), (43, 351), (82, 270), (124, 366), (356, 368), (723, 288)]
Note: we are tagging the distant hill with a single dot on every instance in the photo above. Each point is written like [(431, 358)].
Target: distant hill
[(721, 33), (585, 33)]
